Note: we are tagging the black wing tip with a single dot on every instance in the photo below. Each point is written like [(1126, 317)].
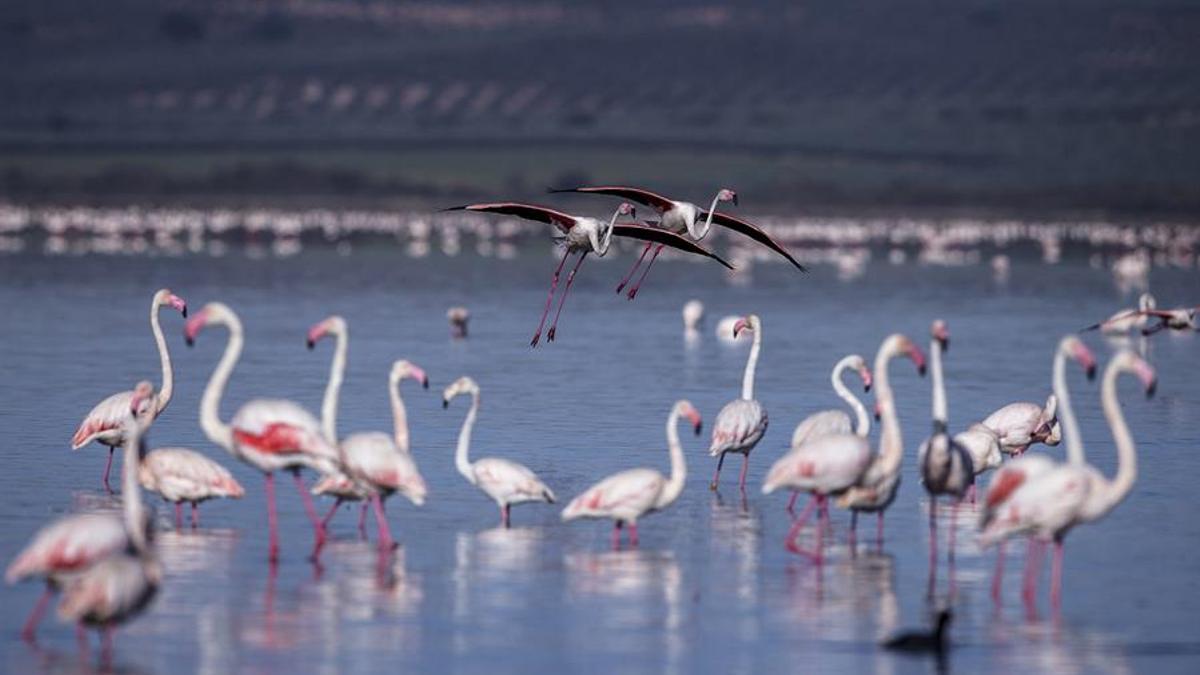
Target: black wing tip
[(464, 207), (553, 191), (1094, 326)]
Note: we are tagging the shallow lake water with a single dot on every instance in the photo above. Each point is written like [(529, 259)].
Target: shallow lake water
[(711, 587)]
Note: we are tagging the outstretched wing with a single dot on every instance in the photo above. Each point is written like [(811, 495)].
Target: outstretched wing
[(542, 214), (668, 238), (646, 197), (754, 232)]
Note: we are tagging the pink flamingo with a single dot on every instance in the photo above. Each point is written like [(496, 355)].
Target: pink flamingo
[(1180, 318), (268, 434), (1019, 425), (65, 552), (181, 475), (106, 422), (626, 496), (682, 218), (742, 422), (585, 235), (1127, 320), (837, 463), (502, 480), (342, 489)]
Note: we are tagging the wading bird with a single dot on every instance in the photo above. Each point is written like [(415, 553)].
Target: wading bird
[(106, 422), (1019, 425), (626, 496), (742, 422), (682, 218), (181, 475), (584, 235)]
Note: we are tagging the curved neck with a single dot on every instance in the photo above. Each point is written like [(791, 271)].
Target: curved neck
[(940, 413), (862, 425), (891, 445), (701, 231), (399, 417), (461, 462), (131, 491), (600, 242), (1122, 483), (675, 483), (1066, 412), (751, 365), (164, 356), (337, 371), (217, 431)]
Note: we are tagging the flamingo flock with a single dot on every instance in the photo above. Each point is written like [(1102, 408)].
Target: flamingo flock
[(106, 568)]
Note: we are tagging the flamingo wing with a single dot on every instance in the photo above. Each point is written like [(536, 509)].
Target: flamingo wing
[(824, 423), (109, 415), (507, 481), (111, 591), (180, 474), (667, 238), (541, 214), (633, 194), (627, 494), (1044, 506), (828, 465), (373, 458), (740, 423), (754, 232), (69, 544)]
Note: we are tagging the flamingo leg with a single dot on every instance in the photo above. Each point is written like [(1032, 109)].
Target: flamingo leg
[(272, 522), (563, 299), (616, 535), (932, 543), (633, 291), (971, 493), (717, 475), (178, 515), (822, 521), (1033, 563), (195, 516), (385, 532), (953, 523), (35, 616), (789, 541), (362, 521), (106, 645), (549, 298), (309, 509), (108, 469), (853, 530), (742, 477), (879, 530), (504, 516), (998, 575), (629, 275), (633, 537), (81, 639), (1056, 575), (329, 514), (792, 501)]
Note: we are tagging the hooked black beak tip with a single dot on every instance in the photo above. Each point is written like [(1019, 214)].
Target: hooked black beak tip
[(425, 383), (190, 342), (310, 343), (921, 370), (445, 404), (1091, 372), (185, 311), (1151, 389), (698, 428), (867, 388)]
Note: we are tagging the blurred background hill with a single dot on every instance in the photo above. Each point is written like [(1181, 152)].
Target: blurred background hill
[(1082, 105)]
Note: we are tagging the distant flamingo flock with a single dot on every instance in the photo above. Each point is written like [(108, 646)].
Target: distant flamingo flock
[(106, 567)]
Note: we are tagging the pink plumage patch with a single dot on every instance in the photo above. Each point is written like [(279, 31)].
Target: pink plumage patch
[(806, 469), (91, 428), (276, 439), (1005, 485)]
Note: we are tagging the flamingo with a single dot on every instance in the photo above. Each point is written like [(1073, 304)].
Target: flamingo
[(626, 496), (458, 317), (343, 489), (742, 422), (1127, 320), (836, 463), (79, 553), (828, 422), (106, 422), (946, 466), (585, 235), (181, 475), (1180, 318), (682, 218), (725, 328), (503, 480), (268, 434), (693, 316), (1019, 425), (983, 445)]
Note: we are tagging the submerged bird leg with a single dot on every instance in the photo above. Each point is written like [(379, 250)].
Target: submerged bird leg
[(742, 477), (879, 530), (35, 616), (385, 532), (792, 501), (1056, 575), (717, 475), (178, 515), (789, 541), (106, 645), (329, 514), (309, 509), (362, 521), (616, 535), (633, 291), (932, 543), (195, 516), (629, 275), (549, 298), (272, 523), (504, 516), (853, 530), (633, 537), (562, 300), (1033, 563), (108, 469), (998, 575)]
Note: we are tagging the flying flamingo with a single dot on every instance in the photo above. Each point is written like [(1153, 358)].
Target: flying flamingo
[(829, 422), (742, 422), (1019, 425), (945, 465), (837, 463), (65, 552), (682, 218), (504, 481), (626, 496), (181, 475), (268, 434), (1180, 318), (106, 422), (585, 235), (1127, 320)]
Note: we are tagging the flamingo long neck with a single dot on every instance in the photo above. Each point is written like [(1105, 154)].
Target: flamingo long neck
[(164, 357), (461, 462), (701, 231), (862, 425), (941, 416), (891, 445), (131, 492), (1116, 489), (333, 390), (601, 242), (678, 476), (217, 431), (399, 417), (1066, 411), (751, 366)]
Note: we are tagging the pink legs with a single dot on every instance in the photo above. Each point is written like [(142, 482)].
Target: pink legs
[(362, 521), (178, 515), (549, 299), (792, 501), (998, 576), (741, 480), (633, 269), (504, 516), (717, 475), (633, 291), (745, 465), (1033, 563), (195, 516), (35, 617), (108, 469), (797, 525), (329, 514), (385, 533), (563, 300), (106, 645), (1056, 575), (272, 524), (311, 511), (616, 535)]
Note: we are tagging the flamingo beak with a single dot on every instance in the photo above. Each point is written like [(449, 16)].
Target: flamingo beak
[(866, 378), (697, 423), (878, 411), (445, 404), (735, 199), (192, 328), (179, 304), (739, 327), (918, 358), (1149, 378)]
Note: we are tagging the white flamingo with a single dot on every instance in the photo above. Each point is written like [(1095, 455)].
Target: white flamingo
[(1127, 320), (181, 475), (693, 316), (106, 422), (268, 434), (337, 485), (683, 218), (1019, 425), (1179, 318), (626, 496), (742, 422), (833, 464), (104, 564), (502, 480), (1049, 504), (584, 235)]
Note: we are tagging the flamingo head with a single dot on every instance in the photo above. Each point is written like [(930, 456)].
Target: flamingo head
[(1076, 349), (727, 195), (902, 345), (165, 298), (686, 409), (462, 385), (1143, 370), (143, 394), (860, 364), (878, 411), (213, 312), (751, 323), (941, 333), (333, 325), (194, 325), (627, 209), (402, 369)]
